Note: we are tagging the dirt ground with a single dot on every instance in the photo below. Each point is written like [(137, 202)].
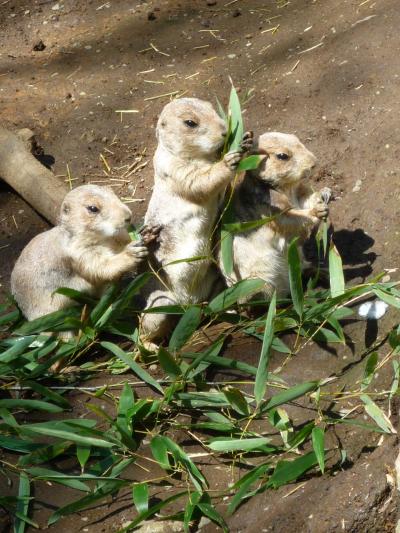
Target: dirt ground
[(326, 70)]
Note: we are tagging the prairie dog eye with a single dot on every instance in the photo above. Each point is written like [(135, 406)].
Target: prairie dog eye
[(283, 156), (93, 209), (191, 123)]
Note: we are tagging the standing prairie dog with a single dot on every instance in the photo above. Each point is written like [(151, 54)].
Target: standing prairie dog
[(277, 188), (89, 248), (190, 180)]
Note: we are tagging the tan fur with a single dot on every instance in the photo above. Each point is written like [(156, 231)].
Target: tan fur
[(190, 180), (277, 188), (85, 251)]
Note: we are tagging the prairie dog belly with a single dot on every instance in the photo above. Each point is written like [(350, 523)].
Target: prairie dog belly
[(187, 233)]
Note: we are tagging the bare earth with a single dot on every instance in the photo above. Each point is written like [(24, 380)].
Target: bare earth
[(326, 70)]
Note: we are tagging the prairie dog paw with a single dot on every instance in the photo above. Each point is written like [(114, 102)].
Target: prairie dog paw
[(150, 234), (247, 141), (326, 195), (320, 210), (137, 250), (232, 159)]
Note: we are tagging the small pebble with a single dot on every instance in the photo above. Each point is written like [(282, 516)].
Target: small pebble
[(357, 186)]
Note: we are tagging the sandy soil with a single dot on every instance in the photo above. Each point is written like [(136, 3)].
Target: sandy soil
[(326, 70)]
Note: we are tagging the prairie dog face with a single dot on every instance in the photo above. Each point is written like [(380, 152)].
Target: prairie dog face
[(287, 162), (96, 210), (189, 127)]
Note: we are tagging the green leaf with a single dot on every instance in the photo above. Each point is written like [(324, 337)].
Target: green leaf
[(159, 449), (22, 508), (241, 227), (152, 511), (82, 454), (62, 320), (230, 296), (295, 280), (182, 459), (377, 414), (226, 239), (185, 328), (44, 454), (288, 471), (209, 510), (317, 437), (48, 394), (250, 162), (260, 385), (78, 296), (168, 363), (30, 405), (58, 477), (335, 272), (137, 369), (369, 371), (395, 383), (233, 445), (244, 484), (211, 352), (65, 431), (87, 501), (388, 298), (236, 400), (235, 115), (126, 401), (140, 495), (289, 395), (194, 498)]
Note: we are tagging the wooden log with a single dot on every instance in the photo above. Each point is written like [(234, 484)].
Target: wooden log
[(27, 176)]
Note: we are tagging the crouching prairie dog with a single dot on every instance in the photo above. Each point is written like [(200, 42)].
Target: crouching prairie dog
[(89, 248), (277, 188), (190, 180)]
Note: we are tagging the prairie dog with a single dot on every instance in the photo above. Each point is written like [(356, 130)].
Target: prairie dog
[(276, 188), (189, 184), (89, 248)]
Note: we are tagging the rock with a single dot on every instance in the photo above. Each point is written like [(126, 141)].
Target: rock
[(357, 186), (39, 46), (160, 526)]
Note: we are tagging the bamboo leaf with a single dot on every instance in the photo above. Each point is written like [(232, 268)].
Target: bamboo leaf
[(289, 395), (30, 405), (288, 471), (250, 162), (137, 369), (260, 385), (317, 437), (377, 414), (140, 495), (24, 491), (187, 325), (295, 280), (168, 363), (233, 445), (236, 400), (237, 292), (335, 272), (369, 371)]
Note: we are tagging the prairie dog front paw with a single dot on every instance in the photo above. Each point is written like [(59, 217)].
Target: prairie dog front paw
[(232, 159), (326, 195), (320, 210), (149, 234), (247, 141), (136, 250)]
